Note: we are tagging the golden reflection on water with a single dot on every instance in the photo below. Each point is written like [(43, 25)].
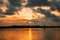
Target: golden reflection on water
[(30, 34), (22, 34)]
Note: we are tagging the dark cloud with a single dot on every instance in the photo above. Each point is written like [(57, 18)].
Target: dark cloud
[(58, 7), (0, 11), (1, 2), (49, 15), (15, 2), (11, 10), (37, 2), (12, 7), (1, 14)]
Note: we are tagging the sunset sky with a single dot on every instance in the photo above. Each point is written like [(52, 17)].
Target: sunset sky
[(36, 12)]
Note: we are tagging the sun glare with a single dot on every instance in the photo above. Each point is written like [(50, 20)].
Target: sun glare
[(30, 34)]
